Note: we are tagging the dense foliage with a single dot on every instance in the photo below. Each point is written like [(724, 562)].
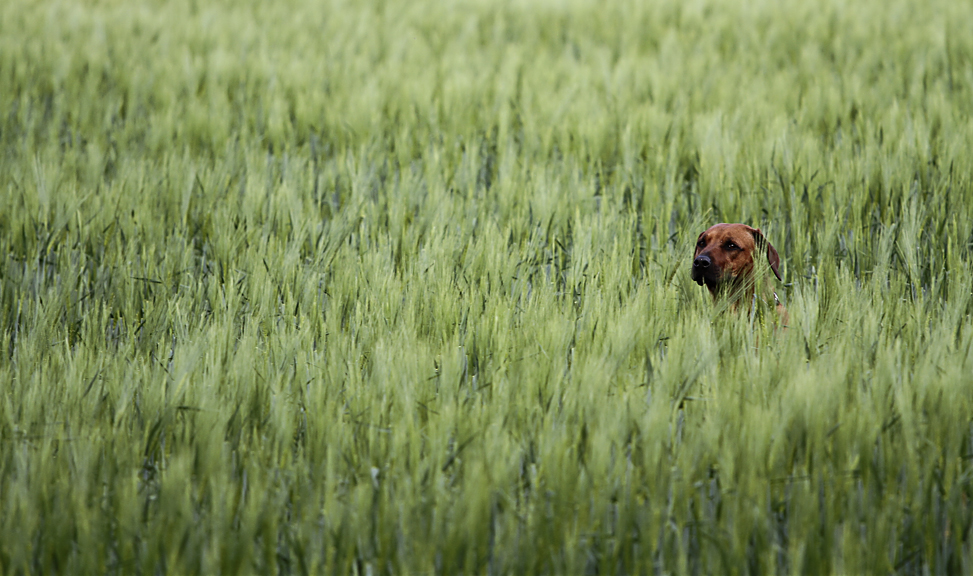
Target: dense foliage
[(403, 287)]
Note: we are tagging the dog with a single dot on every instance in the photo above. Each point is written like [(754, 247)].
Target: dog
[(724, 263)]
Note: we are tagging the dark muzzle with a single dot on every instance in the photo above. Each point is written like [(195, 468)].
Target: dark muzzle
[(701, 265)]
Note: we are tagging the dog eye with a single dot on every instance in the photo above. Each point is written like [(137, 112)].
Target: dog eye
[(700, 243), (731, 246)]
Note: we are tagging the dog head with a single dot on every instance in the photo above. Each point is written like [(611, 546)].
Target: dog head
[(724, 256)]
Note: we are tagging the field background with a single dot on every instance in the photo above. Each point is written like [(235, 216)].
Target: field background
[(379, 287)]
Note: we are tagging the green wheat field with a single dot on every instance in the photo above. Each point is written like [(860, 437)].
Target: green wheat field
[(378, 287)]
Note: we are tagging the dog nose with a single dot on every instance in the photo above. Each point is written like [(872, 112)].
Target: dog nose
[(702, 262)]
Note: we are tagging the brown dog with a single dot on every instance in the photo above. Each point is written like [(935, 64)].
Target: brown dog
[(724, 262)]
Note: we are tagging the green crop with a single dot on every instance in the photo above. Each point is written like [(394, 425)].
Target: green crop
[(379, 287)]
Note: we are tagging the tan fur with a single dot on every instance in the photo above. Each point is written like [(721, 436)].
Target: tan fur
[(724, 262)]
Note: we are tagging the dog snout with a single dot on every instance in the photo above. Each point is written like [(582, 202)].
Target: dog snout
[(701, 265)]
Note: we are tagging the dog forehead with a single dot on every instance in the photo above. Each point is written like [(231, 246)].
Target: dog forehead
[(719, 233)]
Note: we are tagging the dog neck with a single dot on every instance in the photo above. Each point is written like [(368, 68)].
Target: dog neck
[(743, 291), (739, 288)]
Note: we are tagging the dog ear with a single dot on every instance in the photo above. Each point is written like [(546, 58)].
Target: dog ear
[(772, 255)]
